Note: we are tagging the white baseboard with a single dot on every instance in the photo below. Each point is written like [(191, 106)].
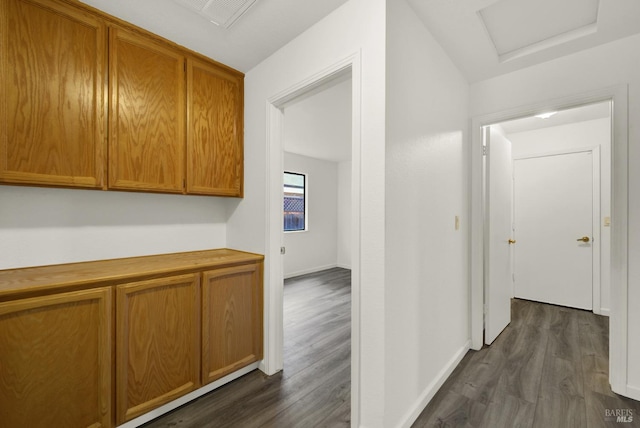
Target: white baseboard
[(140, 420), (605, 312), (433, 387), (344, 266), (288, 275), (633, 392)]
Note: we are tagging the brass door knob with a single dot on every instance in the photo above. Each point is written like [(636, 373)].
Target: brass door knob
[(584, 239), (511, 241)]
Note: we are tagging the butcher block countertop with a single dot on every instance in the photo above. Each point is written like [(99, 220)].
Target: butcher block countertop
[(44, 280)]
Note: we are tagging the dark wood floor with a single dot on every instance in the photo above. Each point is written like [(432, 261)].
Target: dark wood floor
[(549, 368), (314, 388)]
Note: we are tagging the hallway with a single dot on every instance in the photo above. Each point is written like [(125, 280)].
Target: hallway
[(549, 368)]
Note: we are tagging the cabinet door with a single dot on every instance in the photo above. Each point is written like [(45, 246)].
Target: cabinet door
[(231, 320), (52, 95), (157, 343), (214, 131), (56, 360), (146, 114)]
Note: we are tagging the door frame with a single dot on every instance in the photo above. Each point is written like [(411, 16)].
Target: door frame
[(274, 325), (618, 326), (595, 215)]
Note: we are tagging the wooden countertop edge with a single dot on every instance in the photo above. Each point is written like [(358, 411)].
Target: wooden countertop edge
[(25, 288)]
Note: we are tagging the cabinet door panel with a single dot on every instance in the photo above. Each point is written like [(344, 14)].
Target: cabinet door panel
[(214, 131), (56, 360), (231, 320), (158, 346), (52, 95), (146, 114)]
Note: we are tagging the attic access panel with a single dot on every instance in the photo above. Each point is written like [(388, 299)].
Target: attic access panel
[(221, 12), (518, 27)]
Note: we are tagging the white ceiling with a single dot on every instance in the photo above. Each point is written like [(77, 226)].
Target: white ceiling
[(319, 125), (263, 29), (528, 31), (484, 38), (563, 117), (514, 25)]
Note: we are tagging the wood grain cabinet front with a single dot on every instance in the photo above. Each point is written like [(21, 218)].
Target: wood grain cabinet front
[(52, 94), (56, 360), (214, 130), (94, 344), (231, 319), (157, 343), (146, 113), (88, 100)]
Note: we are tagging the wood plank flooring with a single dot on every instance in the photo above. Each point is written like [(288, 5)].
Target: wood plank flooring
[(548, 369), (314, 388)]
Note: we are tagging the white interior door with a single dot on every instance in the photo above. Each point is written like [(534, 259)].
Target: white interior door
[(498, 223), (553, 212)]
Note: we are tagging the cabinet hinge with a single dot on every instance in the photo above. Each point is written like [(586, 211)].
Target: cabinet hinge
[(484, 150)]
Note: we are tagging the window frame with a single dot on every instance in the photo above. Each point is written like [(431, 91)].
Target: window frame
[(305, 196)]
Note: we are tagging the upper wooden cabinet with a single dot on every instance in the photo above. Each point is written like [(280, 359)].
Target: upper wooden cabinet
[(52, 94), (153, 117), (146, 114), (214, 130)]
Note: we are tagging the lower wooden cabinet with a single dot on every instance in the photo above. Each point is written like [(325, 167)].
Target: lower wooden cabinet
[(231, 320), (56, 360), (97, 344), (157, 343)]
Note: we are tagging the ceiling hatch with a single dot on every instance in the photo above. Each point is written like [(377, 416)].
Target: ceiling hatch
[(522, 27), (220, 12)]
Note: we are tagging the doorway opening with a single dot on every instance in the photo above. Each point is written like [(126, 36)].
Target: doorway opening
[(317, 256), (618, 221), (548, 178), (347, 69)]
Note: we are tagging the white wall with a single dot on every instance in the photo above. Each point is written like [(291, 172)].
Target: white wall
[(316, 248), (355, 29), (605, 66), (41, 226), (344, 215), (590, 133), (427, 264)]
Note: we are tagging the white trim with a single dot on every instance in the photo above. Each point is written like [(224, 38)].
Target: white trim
[(595, 214), (310, 270), (605, 312), (619, 225), (141, 420), (633, 392), (274, 329), (597, 235), (433, 387), (558, 152)]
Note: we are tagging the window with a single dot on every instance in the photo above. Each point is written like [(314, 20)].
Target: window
[(295, 201)]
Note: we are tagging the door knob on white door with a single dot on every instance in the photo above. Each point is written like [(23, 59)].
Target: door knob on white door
[(584, 239)]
